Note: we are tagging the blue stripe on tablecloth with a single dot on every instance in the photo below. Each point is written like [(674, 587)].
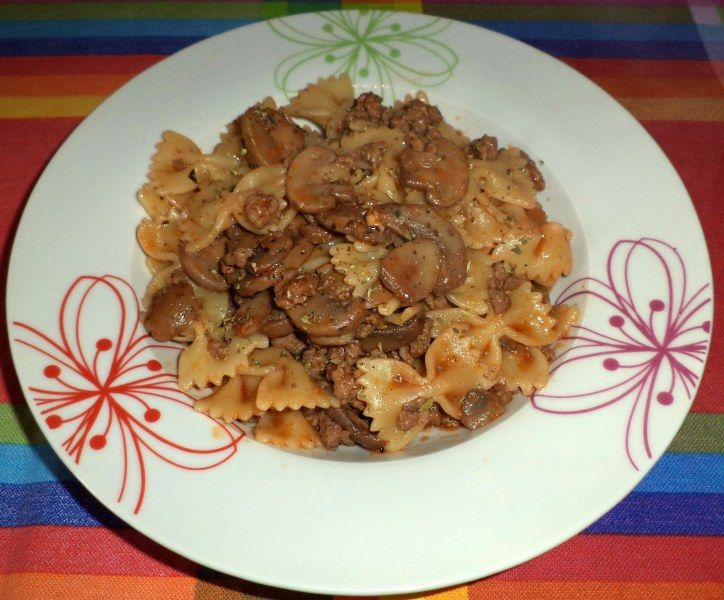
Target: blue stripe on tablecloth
[(594, 32), (160, 44), (541, 30), (674, 473), (67, 503), (118, 28), (664, 514), (30, 464), (94, 45)]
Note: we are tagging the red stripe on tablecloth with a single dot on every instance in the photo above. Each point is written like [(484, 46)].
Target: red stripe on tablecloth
[(605, 557), (77, 65), (625, 558), (697, 153), (639, 68), (27, 144), (87, 550)]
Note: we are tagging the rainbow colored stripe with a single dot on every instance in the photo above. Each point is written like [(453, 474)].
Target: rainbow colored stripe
[(662, 59)]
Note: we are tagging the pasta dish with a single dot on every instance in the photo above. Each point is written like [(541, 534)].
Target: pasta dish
[(348, 273)]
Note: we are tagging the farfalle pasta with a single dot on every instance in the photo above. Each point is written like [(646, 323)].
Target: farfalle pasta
[(349, 273)]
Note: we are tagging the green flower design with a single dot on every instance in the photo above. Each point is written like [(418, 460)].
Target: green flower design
[(370, 46)]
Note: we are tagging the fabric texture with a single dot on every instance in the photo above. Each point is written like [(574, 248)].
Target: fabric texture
[(662, 59)]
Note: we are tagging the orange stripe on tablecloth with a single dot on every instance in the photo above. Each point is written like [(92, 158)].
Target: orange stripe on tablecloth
[(656, 87), (675, 109), (593, 590), (28, 107), (61, 85), (33, 586)]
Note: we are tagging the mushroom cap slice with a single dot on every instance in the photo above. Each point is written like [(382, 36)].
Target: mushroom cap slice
[(411, 271), (203, 266)]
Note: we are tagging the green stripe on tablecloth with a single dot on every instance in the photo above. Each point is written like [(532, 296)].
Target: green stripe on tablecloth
[(701, 432), (17, 425), (253, 10)]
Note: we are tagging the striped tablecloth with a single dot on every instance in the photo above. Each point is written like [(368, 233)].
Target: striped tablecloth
[(662, 59)]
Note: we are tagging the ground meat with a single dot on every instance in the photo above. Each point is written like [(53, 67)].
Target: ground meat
[(291, 343), (238, 252), (436, 302), (409, 415), (315, 359), (172, 310), (499, 285), (415, 117), (437, 417), (366, 110), (344, 382), (261, 209), (534, 173), (330, 432), (333, 285), (480, 407), (297, 291), (484, 148), (371, 155), (419, 345), (218, 348)]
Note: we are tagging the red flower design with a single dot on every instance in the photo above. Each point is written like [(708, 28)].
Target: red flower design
[(646, 343), (107, 390)]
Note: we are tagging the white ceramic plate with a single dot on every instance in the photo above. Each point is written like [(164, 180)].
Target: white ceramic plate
[(449, 512)]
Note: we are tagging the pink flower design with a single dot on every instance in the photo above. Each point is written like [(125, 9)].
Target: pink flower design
[(107, 390), (646, 340)]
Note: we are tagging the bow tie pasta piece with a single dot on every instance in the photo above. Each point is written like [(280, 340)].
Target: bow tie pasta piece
[(543, 256), (387, 387), (360, 265), (472, 295), (324, 102), (286, 383), (233, 401), (505, 178), (264, 184), (477, 222), (171, 165), (198, 368), (159, 240), (524, 368), (286, 429), (226, 163), (529, 320)]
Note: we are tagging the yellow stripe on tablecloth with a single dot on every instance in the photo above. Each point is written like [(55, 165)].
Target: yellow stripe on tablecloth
[(675, 109), (32, 586), (30, 107)]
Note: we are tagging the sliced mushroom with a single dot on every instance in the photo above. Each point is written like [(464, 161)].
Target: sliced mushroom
[(323, 316), (203, 266), (359, 430), (318, 178), (269, 136), (411, 271), (393, 337), (413, 221), (277, 325), (173, 308), (350, 220), (251, 313), (440, 170)]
